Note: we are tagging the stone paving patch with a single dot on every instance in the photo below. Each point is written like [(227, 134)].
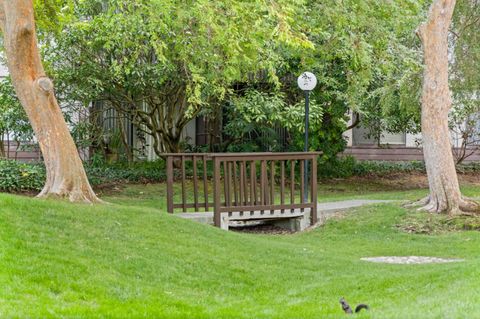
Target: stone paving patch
[(406, 260)]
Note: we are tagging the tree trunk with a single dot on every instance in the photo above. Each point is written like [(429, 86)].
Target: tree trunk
[(445, 195), (65, 173), (2, 145)]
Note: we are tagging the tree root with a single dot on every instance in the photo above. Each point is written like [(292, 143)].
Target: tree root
[(421, 202), (466, 206), (75, 195), (469, 205)]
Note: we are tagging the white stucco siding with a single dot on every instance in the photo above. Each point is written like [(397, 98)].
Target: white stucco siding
[(189, 132), (3, 71)]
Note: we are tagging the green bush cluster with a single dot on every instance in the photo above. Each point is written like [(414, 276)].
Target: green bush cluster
[(145, 172), (19, 177), (348, 166)]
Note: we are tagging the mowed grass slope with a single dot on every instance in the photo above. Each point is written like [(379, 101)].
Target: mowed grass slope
[(63, 260)]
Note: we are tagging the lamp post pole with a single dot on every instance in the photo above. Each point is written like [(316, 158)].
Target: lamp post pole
[(307, 115), (306, 82)]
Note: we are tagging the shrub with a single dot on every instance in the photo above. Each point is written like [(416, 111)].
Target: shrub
[(21, 177), (136, 172), (348, 166), (18, 177)]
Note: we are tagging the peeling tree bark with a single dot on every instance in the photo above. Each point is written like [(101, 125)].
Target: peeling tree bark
[(445, 195), (65, 173)]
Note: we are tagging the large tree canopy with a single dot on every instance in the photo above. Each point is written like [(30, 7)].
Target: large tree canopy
[(367, 59), (160, 62)]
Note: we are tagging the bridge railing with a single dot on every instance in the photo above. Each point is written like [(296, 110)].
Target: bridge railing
[(260, 185)]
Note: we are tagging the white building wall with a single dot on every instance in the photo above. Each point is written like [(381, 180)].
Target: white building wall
[(3, 71), (413, 140), (190, 132), (401, 139), (348, 135)]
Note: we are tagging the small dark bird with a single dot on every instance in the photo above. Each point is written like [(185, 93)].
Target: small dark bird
[(346, 307)]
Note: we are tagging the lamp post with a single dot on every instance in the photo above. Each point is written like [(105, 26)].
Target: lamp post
[(307, 81)]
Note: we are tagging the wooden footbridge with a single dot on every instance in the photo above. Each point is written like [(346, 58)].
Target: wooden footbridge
[(246, 186)]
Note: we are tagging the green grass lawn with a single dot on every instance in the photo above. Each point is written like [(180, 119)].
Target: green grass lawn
[(154, 195), (130, 259)]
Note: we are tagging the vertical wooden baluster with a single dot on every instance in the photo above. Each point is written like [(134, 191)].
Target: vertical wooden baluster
[(225, 181), (205, 182), (266, 194), (170, 184), (313, 192), (184, 192), (195, 183), (262, 184), (242, 183), (272, 184), (245, 191), (217, 217), (282, 184), (235, 182), (229, 184), (302, 183), (253, 184), (292, 183)]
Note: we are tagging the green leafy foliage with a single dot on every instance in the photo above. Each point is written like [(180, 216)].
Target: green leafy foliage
[(50, 15), (15, 125), (18, 177), (253, 118), (348, 166), (366, 56), (13, 119), (160, 62), (26, 177), (137, 172)]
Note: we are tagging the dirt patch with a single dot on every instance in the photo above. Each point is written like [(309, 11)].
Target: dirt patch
[(469, 178), (430, 224), (109, 189)]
